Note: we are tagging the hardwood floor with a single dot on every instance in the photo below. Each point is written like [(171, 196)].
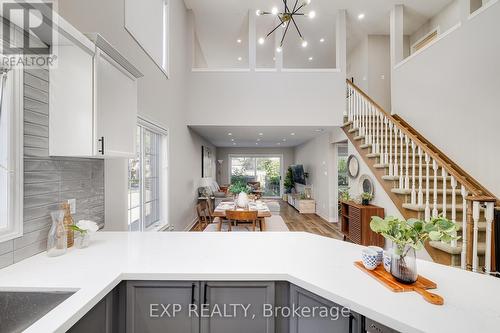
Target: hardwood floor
[(302, 222)]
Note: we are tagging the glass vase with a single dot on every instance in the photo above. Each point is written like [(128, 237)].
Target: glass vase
[(57, 241), (404, 264), (82, 240)]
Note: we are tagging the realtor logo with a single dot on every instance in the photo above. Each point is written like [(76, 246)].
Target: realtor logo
[(35, 19)]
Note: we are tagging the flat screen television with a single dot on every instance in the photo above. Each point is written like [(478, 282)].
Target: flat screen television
[(298, 174)]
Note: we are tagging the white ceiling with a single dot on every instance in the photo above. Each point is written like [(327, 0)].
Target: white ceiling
[(249, 136), (219, 23)]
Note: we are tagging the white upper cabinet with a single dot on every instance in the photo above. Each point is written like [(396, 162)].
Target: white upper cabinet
[(115, 107), (93, 99)]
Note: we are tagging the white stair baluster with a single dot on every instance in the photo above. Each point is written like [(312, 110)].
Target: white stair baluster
[(476, 210), (401, 173), (413, 175), (435, 212), (386, 127), (453, 205), (368, 139), (362, 116), (377, 132), (420, 197), (407, 175), (391, 173), (396, 166), (374, 129), (349, 103), (488, 214), (427, 188), (444, 173), (382, 147), (464, 193)]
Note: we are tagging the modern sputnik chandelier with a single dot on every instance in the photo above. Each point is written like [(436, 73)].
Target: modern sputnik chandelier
[(287, 18)]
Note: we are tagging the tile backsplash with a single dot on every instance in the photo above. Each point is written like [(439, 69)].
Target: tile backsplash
[(49, 181)]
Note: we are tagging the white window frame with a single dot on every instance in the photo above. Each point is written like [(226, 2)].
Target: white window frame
[(436, 30), (163, 222), (230, 161), (14, 163)]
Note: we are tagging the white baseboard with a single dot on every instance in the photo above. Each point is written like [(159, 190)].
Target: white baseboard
[(191, 225)]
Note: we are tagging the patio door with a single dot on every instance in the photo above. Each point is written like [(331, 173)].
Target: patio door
[(265, 169)]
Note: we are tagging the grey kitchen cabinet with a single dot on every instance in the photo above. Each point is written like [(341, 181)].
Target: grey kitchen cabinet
[(222, 295), (162, 306), (338, 320), (104, 317)]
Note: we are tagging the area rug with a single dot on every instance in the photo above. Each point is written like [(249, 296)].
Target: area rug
[(274, 223)]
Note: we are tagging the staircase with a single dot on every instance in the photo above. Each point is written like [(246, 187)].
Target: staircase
[(423, 182)]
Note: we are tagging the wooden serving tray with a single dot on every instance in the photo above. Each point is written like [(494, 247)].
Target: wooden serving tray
[(420, 286)]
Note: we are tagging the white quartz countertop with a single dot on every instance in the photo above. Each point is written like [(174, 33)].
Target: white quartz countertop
[(321, 265)]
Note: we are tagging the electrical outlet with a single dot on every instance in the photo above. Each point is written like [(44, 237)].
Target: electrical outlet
[(72, 205)]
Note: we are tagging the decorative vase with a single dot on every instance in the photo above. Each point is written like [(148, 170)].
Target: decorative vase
[(365, 202), (68, 221), (404, 264), (57, 242), (242, 201), (82, 240)]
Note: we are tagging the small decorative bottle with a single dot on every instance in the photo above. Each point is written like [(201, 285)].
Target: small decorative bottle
[(57, 242), (68, 220)]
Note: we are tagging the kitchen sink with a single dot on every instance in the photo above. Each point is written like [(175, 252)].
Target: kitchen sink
[(20, 309)]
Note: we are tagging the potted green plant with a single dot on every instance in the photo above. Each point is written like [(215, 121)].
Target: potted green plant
[(288, 183), (366, 198), (410, 236), (344, 195)]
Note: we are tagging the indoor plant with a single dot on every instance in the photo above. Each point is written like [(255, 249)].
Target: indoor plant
[(288, 183), (366, 198), (410, 236), (83, 228)]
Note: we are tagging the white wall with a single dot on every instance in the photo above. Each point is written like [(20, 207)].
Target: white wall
[(450, 93), (369, 63), (223, 154), (319, 160), (445, 19), (160, 99), (266, 98)]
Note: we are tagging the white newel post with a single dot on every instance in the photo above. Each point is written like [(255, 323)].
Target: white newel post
[(435, 212), (476, 209), (464, 193), (427, 188), (490, 209)]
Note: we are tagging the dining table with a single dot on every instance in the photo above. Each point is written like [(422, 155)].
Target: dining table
[(261, 207)]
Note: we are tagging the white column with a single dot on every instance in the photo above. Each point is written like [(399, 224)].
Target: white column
[(252, 40), (476, 210), (341, 41), (464, 194), (490, 208)]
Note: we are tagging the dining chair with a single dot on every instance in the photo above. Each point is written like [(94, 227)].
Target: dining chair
[(204, 214), (242, 216)]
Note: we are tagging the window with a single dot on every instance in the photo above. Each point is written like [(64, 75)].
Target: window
[(266, 170), (426, 40), (11, 154), (343, 178), (147, 183)]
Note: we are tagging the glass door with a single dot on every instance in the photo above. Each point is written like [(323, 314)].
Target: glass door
[(266, 170)]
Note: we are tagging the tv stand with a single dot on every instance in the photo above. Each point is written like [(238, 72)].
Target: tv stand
[(304, 206)]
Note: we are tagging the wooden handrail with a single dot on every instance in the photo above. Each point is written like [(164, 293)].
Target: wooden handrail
[(476, 190)]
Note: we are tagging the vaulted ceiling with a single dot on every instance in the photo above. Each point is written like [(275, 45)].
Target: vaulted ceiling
[(219, 24)]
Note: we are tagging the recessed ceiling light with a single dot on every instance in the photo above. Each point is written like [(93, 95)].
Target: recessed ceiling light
[(292, 134), (361, 16), (261, 40), (229, 133), (258, 139), (279, 143), (284, 140), (256, 143), (240, 58), (258, 12), (322, 40), (232, 140), (261, 134), (238, 41), (310, 59)]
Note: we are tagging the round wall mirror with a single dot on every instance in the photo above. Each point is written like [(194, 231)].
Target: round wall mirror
[(366, 185), (352, 166)]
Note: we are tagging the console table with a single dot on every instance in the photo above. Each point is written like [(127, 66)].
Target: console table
[(355, 223)]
